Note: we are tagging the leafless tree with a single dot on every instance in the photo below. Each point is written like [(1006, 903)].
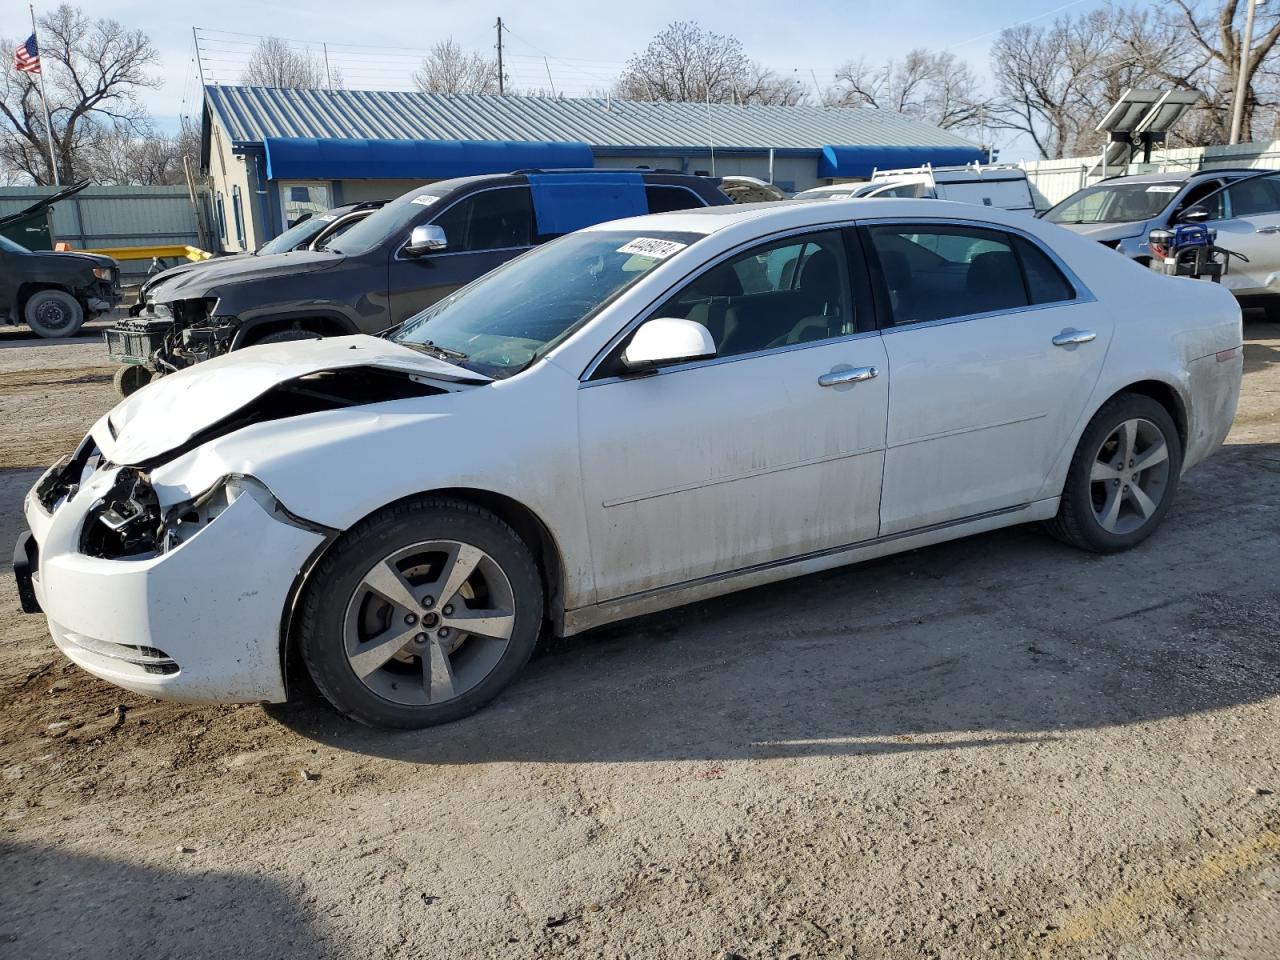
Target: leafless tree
[(447, 68), (686, 63), (276, 63), (1054, 83), (937, 88), (123, 156), (94, 70)]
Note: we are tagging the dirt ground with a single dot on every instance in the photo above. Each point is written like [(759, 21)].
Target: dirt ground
[(998, 747)]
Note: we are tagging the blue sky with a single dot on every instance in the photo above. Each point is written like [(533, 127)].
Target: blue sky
[(583, 44)]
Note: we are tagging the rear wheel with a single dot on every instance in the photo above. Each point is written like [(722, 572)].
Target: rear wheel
[(53, 313), (421, 614), (1122, 478)]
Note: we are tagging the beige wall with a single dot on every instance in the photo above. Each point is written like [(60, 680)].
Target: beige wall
[(227, 171)]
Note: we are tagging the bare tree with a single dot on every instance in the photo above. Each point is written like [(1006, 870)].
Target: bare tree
[(94, 70), (122, 156), (937, 88), (1054, 83), (686, 63), (275, 63), (447, 68)]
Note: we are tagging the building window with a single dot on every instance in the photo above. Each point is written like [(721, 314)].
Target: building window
[(222, 216), (237, 211)]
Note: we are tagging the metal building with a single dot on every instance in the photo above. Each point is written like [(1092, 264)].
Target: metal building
[(276, 154)]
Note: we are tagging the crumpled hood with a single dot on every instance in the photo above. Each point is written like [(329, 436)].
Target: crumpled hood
[(1106, 232), (168, 412), (196, 284)]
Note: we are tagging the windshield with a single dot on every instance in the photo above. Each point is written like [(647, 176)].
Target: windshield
[(1115, 203), (504, 321), (296, 235), (9, 246), (392, 220)]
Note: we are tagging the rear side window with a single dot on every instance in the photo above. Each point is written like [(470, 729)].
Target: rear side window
[(496, 219), (663, 199), (938, 272), (1045, 282)]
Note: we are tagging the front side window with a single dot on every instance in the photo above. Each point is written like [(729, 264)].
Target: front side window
[(1254, 196), (938, 272), (502, 322), (489, 220), (783, 293)]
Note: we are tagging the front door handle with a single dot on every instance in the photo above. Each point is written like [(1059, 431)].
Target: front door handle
[(852, 375), (1069, 338), (1275, 229)]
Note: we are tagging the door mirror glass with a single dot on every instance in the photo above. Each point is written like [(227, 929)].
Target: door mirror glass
[(1194, 214), (428, 238), (667, 340)]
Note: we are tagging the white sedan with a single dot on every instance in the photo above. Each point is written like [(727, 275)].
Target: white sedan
[(638, 415)]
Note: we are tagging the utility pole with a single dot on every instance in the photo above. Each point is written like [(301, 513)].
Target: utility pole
[(500, 81), (1242, 74), (328, 77)]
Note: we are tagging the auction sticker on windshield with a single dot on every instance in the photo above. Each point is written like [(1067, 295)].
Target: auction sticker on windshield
[(652, 247), (424, 199), (1163, 188)]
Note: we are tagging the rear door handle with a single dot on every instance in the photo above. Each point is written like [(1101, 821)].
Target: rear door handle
[(1069, 338), (852, 375), (1275, 229)]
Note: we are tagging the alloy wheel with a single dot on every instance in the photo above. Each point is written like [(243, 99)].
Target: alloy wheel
[(429, 622), (1129, 478)]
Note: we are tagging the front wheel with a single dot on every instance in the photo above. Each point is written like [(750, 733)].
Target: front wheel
[(1122, 478), (53, 313), (421, 614)]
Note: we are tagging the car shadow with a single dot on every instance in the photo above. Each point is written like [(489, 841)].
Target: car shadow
[(998, 638), (59, 903)]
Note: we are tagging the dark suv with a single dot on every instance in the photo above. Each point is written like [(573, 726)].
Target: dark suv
[(400, 259)]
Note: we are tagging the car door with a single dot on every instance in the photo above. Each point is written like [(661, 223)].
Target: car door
[(483, 229), (994, 351), (771, 450), (1246, 215)]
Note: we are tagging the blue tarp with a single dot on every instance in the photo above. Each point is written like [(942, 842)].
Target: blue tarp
[(861, 161), (309, 158), (564, 202)]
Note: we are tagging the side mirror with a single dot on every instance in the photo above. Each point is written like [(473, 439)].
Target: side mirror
[(1194, 214), (425, 239), (667, 340)]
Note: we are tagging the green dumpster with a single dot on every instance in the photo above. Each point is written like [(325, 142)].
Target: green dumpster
[(32, 230)]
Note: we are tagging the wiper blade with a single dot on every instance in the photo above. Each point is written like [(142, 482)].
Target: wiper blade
[(430, 347)]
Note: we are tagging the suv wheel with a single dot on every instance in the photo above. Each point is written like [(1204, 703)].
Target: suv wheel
[(53, 313)]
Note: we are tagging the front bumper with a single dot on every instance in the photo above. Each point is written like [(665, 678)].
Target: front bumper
[(200, 623)]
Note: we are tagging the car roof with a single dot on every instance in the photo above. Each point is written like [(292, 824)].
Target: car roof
[(783, 214)]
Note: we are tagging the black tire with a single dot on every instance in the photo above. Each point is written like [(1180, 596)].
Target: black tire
[(333, 588), (53, 313), (287, 336), (130, 378), (1078, 522)]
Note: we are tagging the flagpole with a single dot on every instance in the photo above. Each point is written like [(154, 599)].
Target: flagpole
[(48, 121)]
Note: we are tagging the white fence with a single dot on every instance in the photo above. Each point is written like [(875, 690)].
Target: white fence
[(1055, 180)]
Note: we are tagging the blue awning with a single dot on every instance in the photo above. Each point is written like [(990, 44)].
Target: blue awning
[(564, 202), (861, 161), (308, 158)]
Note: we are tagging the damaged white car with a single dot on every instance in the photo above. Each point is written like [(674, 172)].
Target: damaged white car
[(638, 415)]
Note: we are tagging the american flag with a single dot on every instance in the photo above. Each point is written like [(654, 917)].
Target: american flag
[(27, 57)]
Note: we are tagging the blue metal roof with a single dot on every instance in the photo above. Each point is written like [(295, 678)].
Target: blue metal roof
[(254, 114)]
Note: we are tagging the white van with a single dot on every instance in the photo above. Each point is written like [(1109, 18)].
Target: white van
[(1003, 186)]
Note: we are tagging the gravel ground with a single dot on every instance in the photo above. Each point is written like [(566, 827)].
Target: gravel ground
[(998, 747)]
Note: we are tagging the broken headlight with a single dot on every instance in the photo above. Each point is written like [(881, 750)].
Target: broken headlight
[(125, 521), (184, 520)]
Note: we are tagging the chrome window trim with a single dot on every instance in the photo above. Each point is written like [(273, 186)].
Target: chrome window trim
[(1083, 293), (584, 379), (453, 203)]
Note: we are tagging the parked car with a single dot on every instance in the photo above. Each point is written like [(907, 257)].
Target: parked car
[(638, 415), (311, 233), (55, 292), (1121, 211), (412, 252), (1004, 186)]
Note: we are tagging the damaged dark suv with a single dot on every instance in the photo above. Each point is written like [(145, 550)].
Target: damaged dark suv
[(54, 293), (400, 259)]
